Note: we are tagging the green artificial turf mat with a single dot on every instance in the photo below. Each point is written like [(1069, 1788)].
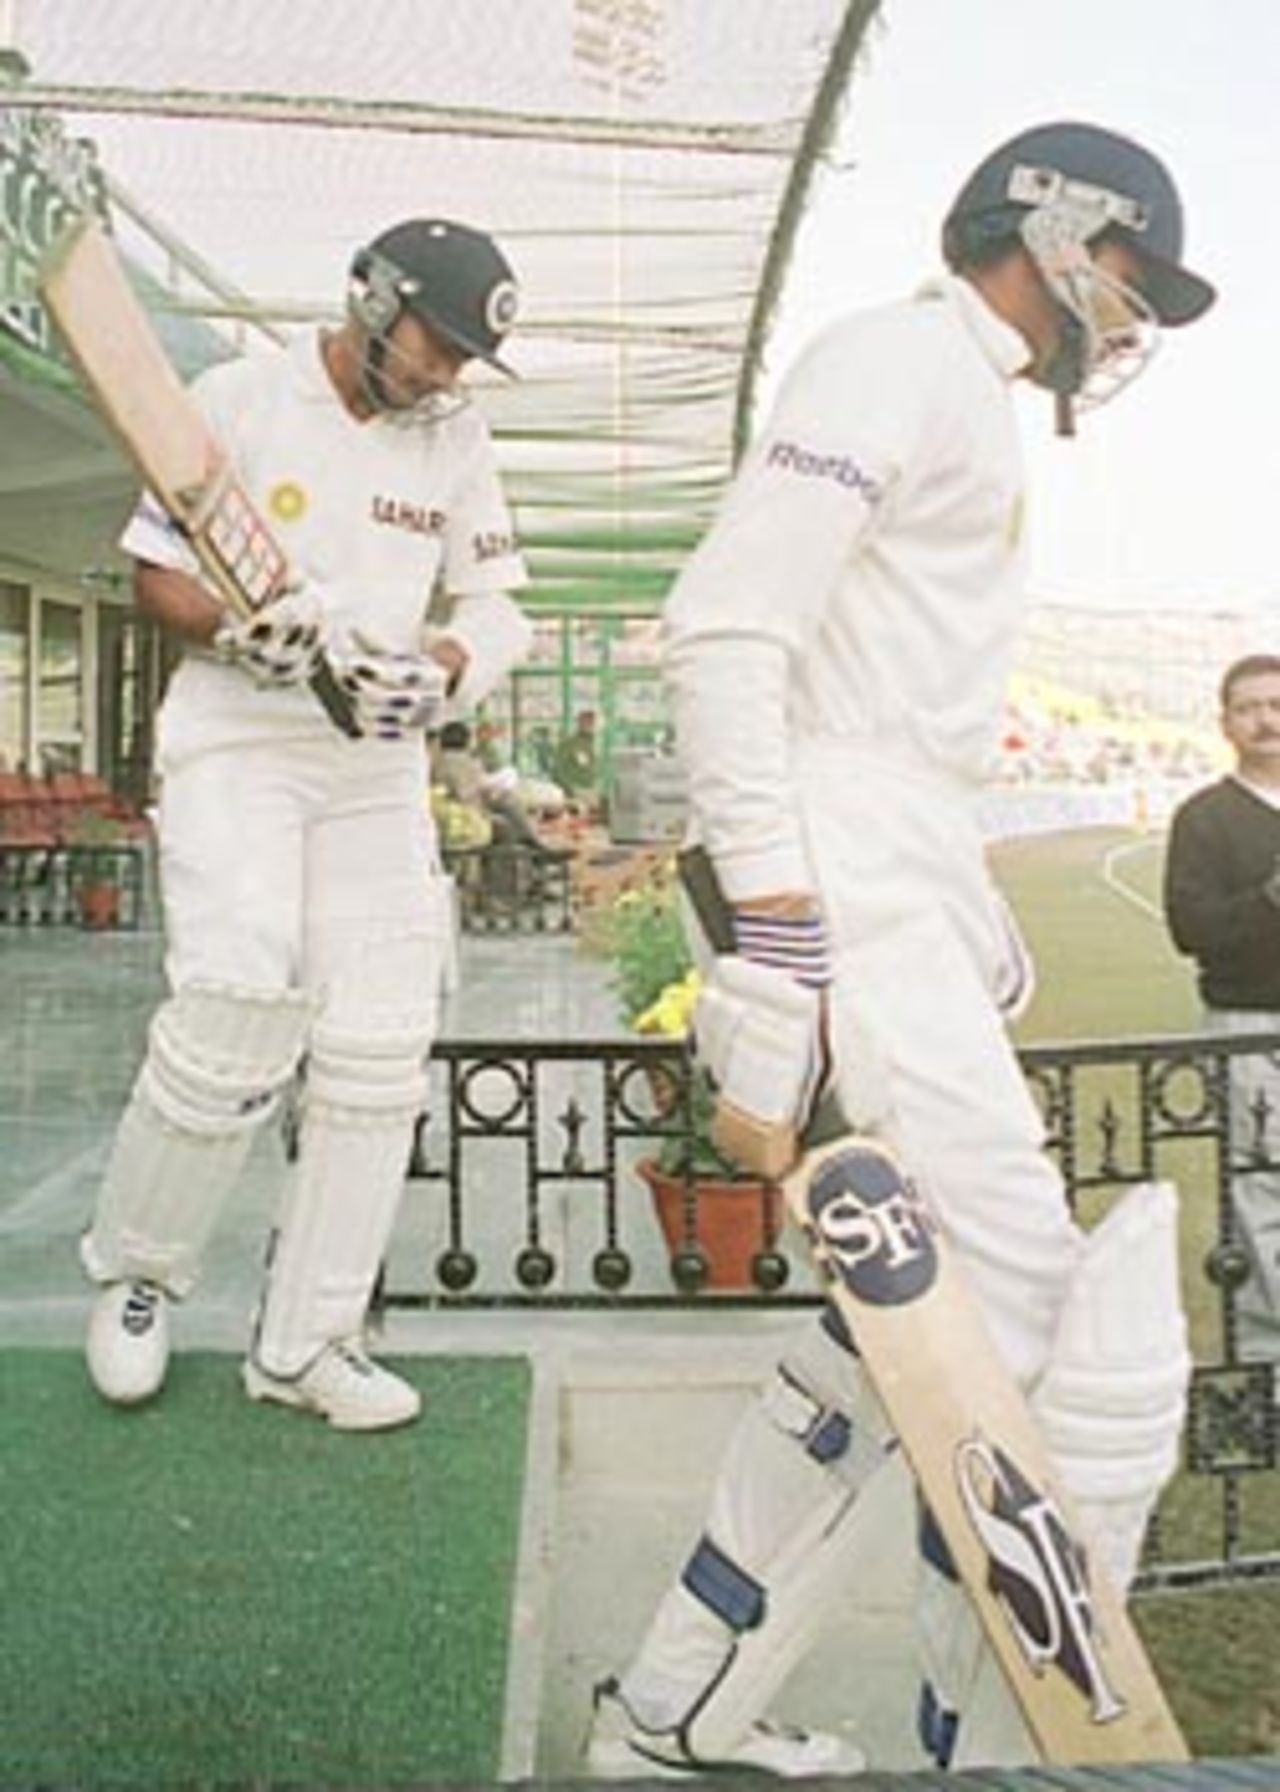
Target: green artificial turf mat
[(206, 1588)]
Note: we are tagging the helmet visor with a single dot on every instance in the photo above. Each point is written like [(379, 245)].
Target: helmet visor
[(1175, 294)]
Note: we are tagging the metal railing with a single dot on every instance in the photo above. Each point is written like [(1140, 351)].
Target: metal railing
[(533, 1171)]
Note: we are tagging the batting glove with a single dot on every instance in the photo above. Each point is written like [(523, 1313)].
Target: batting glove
[(393, 694), (759, 1034), (281, 644)]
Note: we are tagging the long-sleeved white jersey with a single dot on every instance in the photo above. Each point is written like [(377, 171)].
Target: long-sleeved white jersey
[(862, 585)]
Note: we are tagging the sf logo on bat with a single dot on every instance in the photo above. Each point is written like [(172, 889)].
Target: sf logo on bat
[(874, 1229), (1035, 1570)]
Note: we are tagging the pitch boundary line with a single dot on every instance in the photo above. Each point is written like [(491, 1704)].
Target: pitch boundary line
[(1114, 857)]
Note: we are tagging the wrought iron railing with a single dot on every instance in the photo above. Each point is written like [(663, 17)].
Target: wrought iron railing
[(533, 1172)]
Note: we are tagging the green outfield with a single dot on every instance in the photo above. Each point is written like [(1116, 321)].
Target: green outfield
[(1089, 903)]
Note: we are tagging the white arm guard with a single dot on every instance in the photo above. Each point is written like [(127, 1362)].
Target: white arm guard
[(281, 644), (1112, 1400), (495, 634), (392, 694), (758, 1035)]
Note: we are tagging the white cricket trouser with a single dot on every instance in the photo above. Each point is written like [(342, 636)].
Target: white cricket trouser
[(287, 868), (922, 1059), (922, 1055), (267, 852)]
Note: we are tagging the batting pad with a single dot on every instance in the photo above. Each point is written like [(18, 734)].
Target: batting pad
[(366, 1084), (216, 1061), (1112, 1400)]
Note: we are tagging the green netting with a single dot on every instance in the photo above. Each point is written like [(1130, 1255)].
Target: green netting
[(644, 163)]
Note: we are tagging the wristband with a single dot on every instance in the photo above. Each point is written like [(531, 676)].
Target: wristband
[(794, 944)]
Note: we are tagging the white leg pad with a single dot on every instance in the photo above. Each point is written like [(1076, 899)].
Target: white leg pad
[(776, 1557), (1111, 1406), (365, 1085), (968, 1716), (1113, 1399), (994, 1732), (217, 1059)]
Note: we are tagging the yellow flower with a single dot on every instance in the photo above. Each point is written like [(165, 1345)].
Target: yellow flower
[(672, 1012)]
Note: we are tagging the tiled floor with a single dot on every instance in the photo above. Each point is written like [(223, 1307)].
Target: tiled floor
[(631, 1411)]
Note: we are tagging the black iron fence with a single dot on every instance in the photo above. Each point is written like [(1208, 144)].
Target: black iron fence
[(573, 1175)]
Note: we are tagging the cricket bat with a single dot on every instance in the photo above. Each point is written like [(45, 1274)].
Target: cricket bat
[(1061, 1634), (122, 363)]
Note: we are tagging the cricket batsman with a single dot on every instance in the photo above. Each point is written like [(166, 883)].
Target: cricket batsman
[(859, 597), (304, 915)]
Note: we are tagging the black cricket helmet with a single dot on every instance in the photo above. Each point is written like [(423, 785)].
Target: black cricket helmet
[(454, 278), (1130, 191)]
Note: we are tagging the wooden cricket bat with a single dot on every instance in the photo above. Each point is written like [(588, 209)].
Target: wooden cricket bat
[(1061, 1633), (1062, 1636), (140, 397)]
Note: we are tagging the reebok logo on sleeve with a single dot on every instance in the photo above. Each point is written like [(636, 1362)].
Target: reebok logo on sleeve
[(790, 457)]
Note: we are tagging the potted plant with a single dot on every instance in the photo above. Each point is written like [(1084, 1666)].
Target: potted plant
[(96, 840), (721, 1227)]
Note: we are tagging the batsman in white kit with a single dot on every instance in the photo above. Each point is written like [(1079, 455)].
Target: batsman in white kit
[(859, 597), (304, 913)]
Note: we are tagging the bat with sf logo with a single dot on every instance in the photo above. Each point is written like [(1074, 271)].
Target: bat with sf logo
[(1061, 1634), (156, 421)]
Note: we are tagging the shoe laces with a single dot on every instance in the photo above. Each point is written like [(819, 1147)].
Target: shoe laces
[(353, 1358), (138, 1314)]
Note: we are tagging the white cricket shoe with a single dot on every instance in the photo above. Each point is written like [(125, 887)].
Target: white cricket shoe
[(127, 1348), (342, 1385), (620, 1748)]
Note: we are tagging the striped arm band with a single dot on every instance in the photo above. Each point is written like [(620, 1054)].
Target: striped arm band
[(795, 944)]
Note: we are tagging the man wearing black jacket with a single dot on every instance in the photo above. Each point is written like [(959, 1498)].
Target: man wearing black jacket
[(1222, 903)]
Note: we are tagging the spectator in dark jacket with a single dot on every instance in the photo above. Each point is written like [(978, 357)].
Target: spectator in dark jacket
[(1222, 902)]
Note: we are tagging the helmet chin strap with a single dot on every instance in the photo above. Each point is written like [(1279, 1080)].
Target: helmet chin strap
[(372, 361), (432, 407), (1065, 373)]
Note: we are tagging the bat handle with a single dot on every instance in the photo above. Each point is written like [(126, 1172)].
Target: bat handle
[(337, 704)]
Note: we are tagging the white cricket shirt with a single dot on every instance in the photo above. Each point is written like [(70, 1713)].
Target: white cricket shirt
[(375, 514), (862, 586)]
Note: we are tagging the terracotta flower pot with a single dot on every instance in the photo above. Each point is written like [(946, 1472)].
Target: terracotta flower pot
[(730, 1222), (99, 905)]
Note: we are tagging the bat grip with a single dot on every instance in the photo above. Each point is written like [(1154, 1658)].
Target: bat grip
[(334, 699)]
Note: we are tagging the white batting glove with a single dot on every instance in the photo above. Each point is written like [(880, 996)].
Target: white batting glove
[(758, 1034), (393, 694), (281, 644)]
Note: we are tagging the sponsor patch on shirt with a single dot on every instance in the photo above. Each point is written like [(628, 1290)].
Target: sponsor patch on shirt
[(791, 457), (287, 501), (403, 513), (493, 545)]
